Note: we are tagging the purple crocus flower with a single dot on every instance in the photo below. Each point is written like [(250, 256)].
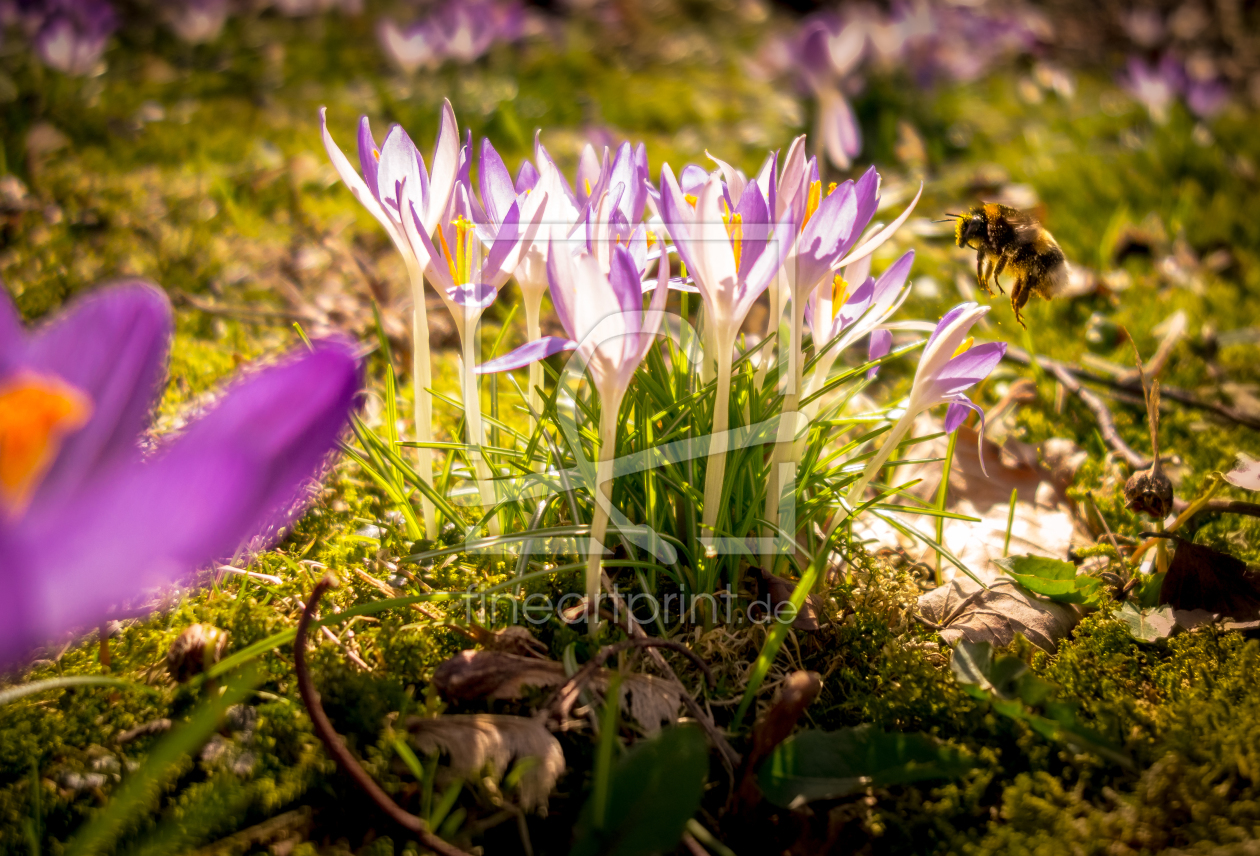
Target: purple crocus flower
[(859, 314), (391, 171), (603, 315), (948, 367), (733, 257), (1154, 87), (197, 21), (830, 52), (89, 524), (532, 191), (74, 34), (1207, 98), (459, 30)]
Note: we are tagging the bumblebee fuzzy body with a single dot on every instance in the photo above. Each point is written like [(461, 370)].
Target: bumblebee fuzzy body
[(1010, 241)]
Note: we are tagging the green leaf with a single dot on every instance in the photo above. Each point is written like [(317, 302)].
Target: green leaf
[(817, 765), (1052, 578), (980, 674), (654, 791), (1147, 625)]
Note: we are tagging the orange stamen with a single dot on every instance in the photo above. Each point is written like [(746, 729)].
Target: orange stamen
[(36, 414), (964, 347)]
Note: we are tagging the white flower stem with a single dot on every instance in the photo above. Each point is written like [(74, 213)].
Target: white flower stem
[(716, 469), (785, 447), (422, 380), (533, 332), (472, 417), (602, 495)]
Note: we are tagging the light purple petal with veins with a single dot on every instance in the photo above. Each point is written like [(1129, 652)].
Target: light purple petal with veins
[(526, 178), (368, 154), (477, 295), (956, 414), (530, 352), (497, 192), (968, 368), (880, 345), (506, 241)]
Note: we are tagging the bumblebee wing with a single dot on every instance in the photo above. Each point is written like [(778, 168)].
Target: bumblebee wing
[(1025, 228)]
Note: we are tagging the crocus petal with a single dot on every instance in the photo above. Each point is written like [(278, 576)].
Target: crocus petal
[(692, 178), (881, 344), (530, 352), (473, 296), (507, 243), (957, 413), (446, 152), (562, 285), (735, 180), (526, 177), (867, 193), (873, 243), (111, 345), (497, 192), (755, 227), (368, 153), (236, 473), (624, 278), (970, 367), (367, 197), (946, 320), (397, 167), (1246, 473), (838, 127)]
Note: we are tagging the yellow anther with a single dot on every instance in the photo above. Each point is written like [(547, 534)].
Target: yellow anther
[(587, 182), (36, 414), (690, 198), (737, 237), (651, 239), (376, 153), (812, 200), (831, 188), (964, 347)]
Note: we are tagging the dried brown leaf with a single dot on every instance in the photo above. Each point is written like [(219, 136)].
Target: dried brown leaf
[(961, 609), (475, 743), (495, 675), (1043, 525)]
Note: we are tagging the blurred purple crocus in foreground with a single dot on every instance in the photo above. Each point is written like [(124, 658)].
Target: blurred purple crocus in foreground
[(603, 315), (949, 365), (88, 523), (74, 34), (459, 30)]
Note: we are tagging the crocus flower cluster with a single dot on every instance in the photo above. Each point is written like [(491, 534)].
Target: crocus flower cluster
[(460, 31), (89, 524), (832, 50), (783, 230), (69, 35)]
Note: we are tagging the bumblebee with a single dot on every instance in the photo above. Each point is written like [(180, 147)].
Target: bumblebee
[(1009, 240)]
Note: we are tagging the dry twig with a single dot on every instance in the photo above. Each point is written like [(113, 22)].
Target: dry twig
[(338, 749)]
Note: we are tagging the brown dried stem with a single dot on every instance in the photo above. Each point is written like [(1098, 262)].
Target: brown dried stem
[(1106, 424), (336, 746), (1173, 393)]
